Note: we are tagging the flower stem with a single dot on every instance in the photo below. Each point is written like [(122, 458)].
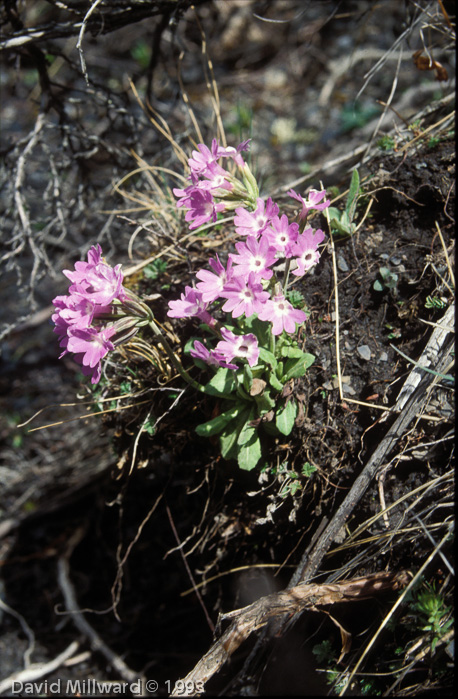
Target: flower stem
[(174, 359), (286, 279)]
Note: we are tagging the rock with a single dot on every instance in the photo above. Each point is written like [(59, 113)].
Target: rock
[(364, 352), (342, 264)]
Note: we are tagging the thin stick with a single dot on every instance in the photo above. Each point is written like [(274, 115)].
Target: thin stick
[(79, 44), (38, 670), (188, 570), (336, 297), (450, 270), (71, 604)]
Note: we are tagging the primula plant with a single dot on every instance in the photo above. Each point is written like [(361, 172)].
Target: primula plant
[(248, 351)]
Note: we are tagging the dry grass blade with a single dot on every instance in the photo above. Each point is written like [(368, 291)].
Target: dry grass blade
[(397, 604)]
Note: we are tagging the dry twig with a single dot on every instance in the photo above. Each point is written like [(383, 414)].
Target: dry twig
[(287, 602)]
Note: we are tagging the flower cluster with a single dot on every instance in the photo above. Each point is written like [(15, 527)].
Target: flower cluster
[(246, 284), (97, 314), (214, 189)]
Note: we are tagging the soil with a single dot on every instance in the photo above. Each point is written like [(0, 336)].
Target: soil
[(143, 518)]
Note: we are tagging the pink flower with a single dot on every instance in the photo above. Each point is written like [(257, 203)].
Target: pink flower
[(231, 152), (211, 357), (282, 315), (282, 234), (190, 304), (202, 157), (244, 296), (254, 256), (80, 310), (216, 178), (243, 346), (312, 202), (90, 347), (305, 250), (96, 280), (211, 284), (255, 222), (202, 208)]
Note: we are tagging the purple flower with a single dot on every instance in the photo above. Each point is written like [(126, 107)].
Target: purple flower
[(282, 315), (90, 346), (79, 316), (202, 208), (244, 296), (99, 282), (211, 357), (211, 284), (255, 222), (216, 179), (243, 346), (254, 256), (282, 234), (190, 304), (312, 202), (234, 153), (80, 310), (202, 157), (305, 250)]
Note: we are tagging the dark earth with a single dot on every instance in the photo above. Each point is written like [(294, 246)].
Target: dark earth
[(142, 517)]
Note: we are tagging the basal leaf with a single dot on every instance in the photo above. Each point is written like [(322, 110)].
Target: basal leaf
[(291, 352), (286, 416), (250, 453), (222, 383), (218, 423), (295, 368), (267, 357)]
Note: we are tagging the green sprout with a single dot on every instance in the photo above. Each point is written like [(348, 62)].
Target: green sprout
[(435, 303), (342, 222), (388, 281), (434, 616)]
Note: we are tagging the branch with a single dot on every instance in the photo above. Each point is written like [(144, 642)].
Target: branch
[(287, 602)]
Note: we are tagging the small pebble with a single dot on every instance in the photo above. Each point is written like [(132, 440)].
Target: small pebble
[(342, 264), (348, 389), (364, 352), (384, 357)]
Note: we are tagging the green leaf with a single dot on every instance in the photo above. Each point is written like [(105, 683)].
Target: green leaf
[(291, 352), (218, 423), (246, 433), (275, 383), (250, 453), (308, 469), (336, 225), (229, 436), (267, 357), (353, 194), (334, 213), (286, 416), (228, 444), (345, 222), (222, 383), (265, 402), (294, 369), (247, 377)]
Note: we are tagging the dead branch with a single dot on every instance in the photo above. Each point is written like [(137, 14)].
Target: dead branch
[(78, 618), (77, 16), (285, 603), (38, 670)]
